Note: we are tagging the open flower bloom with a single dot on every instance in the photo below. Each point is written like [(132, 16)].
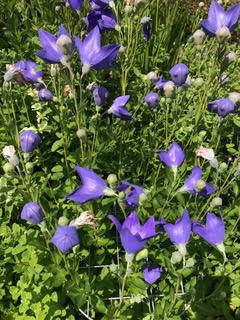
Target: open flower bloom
[(179, 233), (29, 140), (104, 19), (133, 236), (222, 107), (218, 18), (93, 187), (118, 108), (151, 274), (100, 95), (173, 158), (75, 4), (179, 74), (132, 197), (161, 83), (65, 238), (214, 230), (51, 51), (92, 55), (32, 212), (190, 184)]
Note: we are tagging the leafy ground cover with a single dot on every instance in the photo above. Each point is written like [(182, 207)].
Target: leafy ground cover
[(117, 115)]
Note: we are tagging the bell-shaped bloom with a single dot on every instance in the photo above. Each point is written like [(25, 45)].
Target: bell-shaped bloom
[(132, 235), (151, 274), (214, 230), (173, 157), (152, 99), (65, 238), (179, 74), (218, 18), (92, 188), (29, 140), (190, 184), (51, 51), (222, 107), (32, 212), (45, 95), (75, 4), (179, 233), (104, 19), (92, 55), (147, 28), (133, 194), (161, 83), (100, 95), (118, 108), (28, 71)]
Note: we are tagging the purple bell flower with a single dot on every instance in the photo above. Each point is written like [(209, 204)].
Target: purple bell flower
[(28, 71), (100, 95), (173, 158), (99, 4), (161, 83), (151, 274), (104, 19), (65, 238), (179, 74), (152, 99), (92, 55), (222, 107), (32, 212), (75, 4), (147, 28), (29, 140), (51, 52), (214, 230), (118, 108), (132, 197), (92, 188), (218, 18), (45, 95), (191, 182), (133, 236)]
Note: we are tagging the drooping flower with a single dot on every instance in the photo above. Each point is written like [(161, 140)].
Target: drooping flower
[(104, 19), (118, 108), (218, 18), (65, 238), (173, 157), (222, 107), (191, 184), (133, 194), (179, 74), (92, 55), (29, 140), (214, 230), (32, 212), (161, 83), (45, 95), (100, 95), (147, 28), (152, 99), (93, 187), (133, 236), (151, 274), (51, 52)]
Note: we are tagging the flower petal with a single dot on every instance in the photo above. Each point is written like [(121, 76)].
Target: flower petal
[(131, 243), (132, 223)]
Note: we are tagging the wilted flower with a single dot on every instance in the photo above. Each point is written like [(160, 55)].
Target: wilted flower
[(151, 274), (86, 217), (147, 28), (133, 194), (104, 19), (222, 107), (93, 187), (191, 184), (152, 99), (133, 236), (179, 74), (29, 140), (94, 56), (51, 52), (218, 19), (32, 212), (8, 152), (100, 95), (65, 238), (118, 108), (205, 153), (45, 95)]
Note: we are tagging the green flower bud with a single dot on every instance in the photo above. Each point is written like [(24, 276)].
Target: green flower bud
[(29, 167), (190, 263), (8, 168), (198, 82), (223, 167), (63, 221), (81, 133), (143, 254), (142, 199), (121, 196), (222, 34), (176, 257), (169, 89), (202, 133), (222, 295), (216, 202), (112, 180), (113, 267), (200, 185)]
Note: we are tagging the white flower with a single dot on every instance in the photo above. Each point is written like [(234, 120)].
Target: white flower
[(8, 152), (86, 217), (205, 153)]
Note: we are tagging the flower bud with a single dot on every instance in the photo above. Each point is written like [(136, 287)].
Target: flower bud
[(117, 28), (8, 168), (169, 89), (223, 79), (29, 140), (65, 44), (14, 160), (198, 82), (201, 4), (63, 221), (112, 180), (91, 86), (179, 74), (190, 263), (121, 49), (53, 70), (198, 36), (81, 133), (29, 167), (142, 199), (45, 95), (223, 166), (128, 9), (176, 257), (200, 185), (100, 95), (234, 96), (222, 34), (152, 99), (230, 57), (121, 196), (216, 202), (32, 212), (152, 76), (143, 254)]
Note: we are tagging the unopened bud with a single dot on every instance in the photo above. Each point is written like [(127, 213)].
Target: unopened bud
[(216, 202), (230, 57), (29, 167), (198, 36), (112, 180), (63, 221), (190, 263), (223, 166), (109, 192), (234, 96), (8, 168), (65, 44), (176, 257), (121, 196), (201, 4), (142, 199), (151, 124), (198, 82), (81, 133), (121, 49), (117, 28), (57, 8), (169, 89), (128, 9), (222, 34), (143, 254), (223, 79), (202, 133), (152, 76)]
